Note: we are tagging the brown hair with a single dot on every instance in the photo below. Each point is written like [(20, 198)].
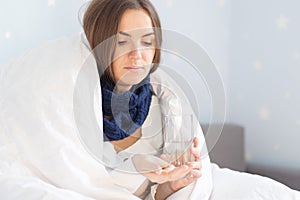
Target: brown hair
[(101, 21)]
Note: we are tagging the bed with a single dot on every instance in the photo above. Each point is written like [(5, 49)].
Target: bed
[(42, 155)]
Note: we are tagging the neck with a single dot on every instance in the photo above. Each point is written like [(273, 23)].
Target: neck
[(123, 88)]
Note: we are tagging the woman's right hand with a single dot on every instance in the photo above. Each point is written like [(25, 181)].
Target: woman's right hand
[(158, 170), (168, 174), (167, 188), (169, 177)]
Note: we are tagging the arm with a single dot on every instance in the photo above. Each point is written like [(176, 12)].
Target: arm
[(172, 100), (170, 179), (166, 189)]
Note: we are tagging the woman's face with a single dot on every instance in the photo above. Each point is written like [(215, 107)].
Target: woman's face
[(135, 49)]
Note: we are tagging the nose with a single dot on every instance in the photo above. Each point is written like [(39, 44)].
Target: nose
[(135, 54)]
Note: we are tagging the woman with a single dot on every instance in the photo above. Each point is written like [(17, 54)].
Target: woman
[(125, 37)]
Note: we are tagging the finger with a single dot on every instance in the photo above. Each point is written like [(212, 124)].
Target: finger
[(195, 152), (187, 181), (165, 168), (177, 173), (155, 178), (196, 173), (195, 165), (164, 157), (161, 176), (169, 174), (190, 178), (196, 142)]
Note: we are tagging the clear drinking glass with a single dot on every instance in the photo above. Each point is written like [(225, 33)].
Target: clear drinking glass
[(178, 138)]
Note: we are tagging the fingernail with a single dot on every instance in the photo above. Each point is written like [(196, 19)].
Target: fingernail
[(185, 167)]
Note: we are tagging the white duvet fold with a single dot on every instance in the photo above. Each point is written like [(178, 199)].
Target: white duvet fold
[(41, 151)]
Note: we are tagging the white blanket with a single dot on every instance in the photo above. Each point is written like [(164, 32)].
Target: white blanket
[(233, 185), (41, 152)]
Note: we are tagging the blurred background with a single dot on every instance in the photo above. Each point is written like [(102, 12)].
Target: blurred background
[(254, 44)]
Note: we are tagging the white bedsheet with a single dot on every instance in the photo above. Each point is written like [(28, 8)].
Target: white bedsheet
[(16, 183), (41, 155), (233, 185)]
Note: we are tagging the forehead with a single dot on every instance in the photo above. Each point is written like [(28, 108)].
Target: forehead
[(135, 20)]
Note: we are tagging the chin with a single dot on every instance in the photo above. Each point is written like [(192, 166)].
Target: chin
[(131, 80)]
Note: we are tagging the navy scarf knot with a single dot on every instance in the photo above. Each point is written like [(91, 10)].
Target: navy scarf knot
[(127, 111)]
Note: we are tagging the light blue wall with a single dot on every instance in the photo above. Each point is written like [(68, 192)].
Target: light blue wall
[(264, 79), (28, 24), (259, 60), (208, 23), (256, 47)]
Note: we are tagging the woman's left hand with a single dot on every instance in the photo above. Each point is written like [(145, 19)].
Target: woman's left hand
[(166, 189), (194, 164), (195, 150)]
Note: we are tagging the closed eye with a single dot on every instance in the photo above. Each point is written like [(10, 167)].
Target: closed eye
[(121, 42), (147, 44)]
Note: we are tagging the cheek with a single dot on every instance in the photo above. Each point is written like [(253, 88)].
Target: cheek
[(148, 56), (120, 52), (116, 67)]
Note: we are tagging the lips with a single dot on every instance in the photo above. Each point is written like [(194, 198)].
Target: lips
[(133, 68)]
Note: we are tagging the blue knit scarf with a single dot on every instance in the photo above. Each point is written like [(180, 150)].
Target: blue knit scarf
[(127, 110)]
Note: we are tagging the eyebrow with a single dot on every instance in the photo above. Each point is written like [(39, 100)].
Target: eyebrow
[(128, 35)]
